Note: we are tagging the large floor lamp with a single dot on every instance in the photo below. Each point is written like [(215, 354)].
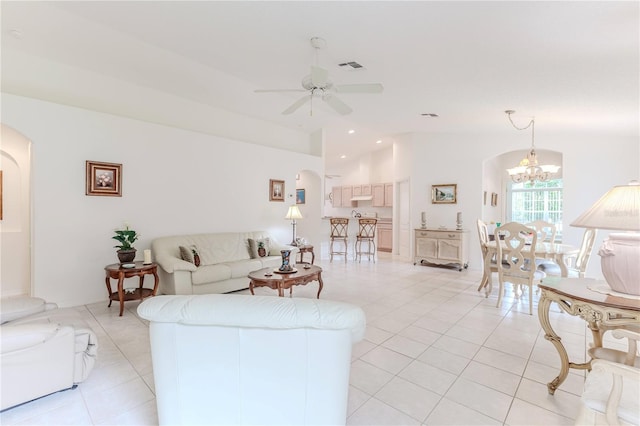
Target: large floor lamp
[(618, 210), (293, 214)]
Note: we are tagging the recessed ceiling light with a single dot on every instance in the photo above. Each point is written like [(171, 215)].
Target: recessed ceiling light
[(378, 141), (351, 131), (343, 156), (429, 114)]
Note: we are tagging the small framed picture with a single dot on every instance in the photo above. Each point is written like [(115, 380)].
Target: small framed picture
[(103, 179), (300, 196), (444, 194), (276, 190), (494, 199), (485, 198)]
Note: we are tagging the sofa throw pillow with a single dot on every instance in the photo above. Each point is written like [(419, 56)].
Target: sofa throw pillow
[(190, 254), (256, 246)]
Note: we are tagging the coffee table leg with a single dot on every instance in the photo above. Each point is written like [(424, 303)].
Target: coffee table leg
[(251, 288)]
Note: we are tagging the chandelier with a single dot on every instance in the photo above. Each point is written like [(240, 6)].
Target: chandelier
[(528, 170)]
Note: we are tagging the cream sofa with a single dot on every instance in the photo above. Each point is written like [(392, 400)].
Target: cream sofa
[(233, 359), (225, 261), (42, 349)]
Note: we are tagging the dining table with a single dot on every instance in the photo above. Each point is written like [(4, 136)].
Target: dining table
[(556, 252)]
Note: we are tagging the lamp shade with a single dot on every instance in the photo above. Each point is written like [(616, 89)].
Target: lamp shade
[(293, 213), (618, 209)]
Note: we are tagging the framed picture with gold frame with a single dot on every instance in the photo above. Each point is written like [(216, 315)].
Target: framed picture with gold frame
[(276, 190), (444, 194), (103, 179)]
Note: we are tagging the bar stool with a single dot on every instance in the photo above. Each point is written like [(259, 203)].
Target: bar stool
[(367, 232), (339, 227)]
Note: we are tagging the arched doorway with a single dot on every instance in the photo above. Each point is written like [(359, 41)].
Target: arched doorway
[(15, 226)]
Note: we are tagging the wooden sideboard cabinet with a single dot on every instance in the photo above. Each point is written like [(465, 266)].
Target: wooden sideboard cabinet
[(442, 247)]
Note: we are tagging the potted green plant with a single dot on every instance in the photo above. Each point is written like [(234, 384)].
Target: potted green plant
[(126, 237)]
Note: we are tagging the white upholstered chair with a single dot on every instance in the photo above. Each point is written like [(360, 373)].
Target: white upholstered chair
[(43, 349), (229, 359), (611, 393), (518, 264)]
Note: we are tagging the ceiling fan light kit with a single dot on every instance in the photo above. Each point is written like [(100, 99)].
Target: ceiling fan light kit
[(317, 83)]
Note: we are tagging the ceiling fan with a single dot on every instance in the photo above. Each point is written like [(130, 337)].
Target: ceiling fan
[(317, 83)]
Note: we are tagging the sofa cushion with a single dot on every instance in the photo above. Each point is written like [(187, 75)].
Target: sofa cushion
[(186, 254), (211, 273), (243, 267), (224, 247), (255, 244)]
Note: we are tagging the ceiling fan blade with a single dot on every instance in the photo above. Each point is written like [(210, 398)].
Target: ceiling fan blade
[(359, 88), (337, 104), (319, 76), (297, 104), (278, 90)]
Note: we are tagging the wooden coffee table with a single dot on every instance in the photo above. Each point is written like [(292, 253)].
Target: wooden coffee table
[(281, 282)]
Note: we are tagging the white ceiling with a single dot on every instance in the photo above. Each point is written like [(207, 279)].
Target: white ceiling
[(573, 65)]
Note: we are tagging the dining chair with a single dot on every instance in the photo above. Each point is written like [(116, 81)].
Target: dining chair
[(518, 259), (546, 230), (366, 233), (483, 236), (576, 265), (339, 229), (611, 390)]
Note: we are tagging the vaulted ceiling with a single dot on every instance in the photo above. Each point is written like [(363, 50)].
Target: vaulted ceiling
[(573, 65)]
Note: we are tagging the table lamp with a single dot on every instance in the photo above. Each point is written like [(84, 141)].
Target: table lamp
[(293, 214), (618, 210)]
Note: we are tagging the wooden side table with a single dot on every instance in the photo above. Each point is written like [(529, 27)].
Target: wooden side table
[(306, 249), (117, 272)]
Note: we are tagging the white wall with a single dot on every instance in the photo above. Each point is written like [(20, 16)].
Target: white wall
[(173, 182), (592, 164)]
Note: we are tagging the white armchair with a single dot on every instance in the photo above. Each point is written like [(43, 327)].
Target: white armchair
[(239, 360), (42, 349)]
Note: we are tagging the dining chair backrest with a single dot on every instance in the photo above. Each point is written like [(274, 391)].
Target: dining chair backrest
[(517, 258), (483, 234), (546, 230), (339, 227), (582, 260)]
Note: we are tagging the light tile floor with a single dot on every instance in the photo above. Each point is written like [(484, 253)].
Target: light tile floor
[(436, 352)]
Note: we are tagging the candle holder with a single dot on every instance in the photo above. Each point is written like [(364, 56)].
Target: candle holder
[(424, 220), (459, 221)]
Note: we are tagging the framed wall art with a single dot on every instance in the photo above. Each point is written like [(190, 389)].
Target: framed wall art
[(494, 199), (444, 194), (103, 179), (300, 196), (276, 190)]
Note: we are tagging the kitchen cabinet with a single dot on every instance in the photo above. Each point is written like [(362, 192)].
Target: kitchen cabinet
[(377, 190), (388, 195), (347, 194), (382, 195), (336, 193), (384, 228), (442, 247)]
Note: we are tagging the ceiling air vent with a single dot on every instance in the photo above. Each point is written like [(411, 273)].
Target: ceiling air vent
[(350, 65)]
